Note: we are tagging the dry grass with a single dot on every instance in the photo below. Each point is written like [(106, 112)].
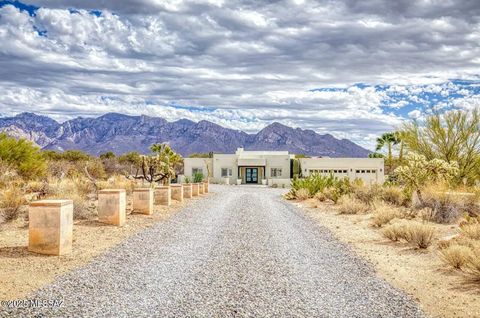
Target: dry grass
[(419, 234), (394, 195), (320, 196), (383, 213), (79, 190), (456, 255), (396, 232), (447, 207), (368, 194), (472, 266), (302, 194), (348, 204), (12, 202), (118, 182), (471, 231)]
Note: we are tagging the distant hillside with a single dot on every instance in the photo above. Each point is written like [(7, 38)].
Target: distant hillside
[(121, 133)]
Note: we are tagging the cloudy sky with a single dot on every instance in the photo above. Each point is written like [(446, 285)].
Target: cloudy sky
[(354, 69)]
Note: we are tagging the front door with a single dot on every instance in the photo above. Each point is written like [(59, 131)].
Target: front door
[(251, 175)]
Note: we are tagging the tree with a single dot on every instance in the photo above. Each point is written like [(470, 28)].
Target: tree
[(419, 171), (159, 167), (107, 155), (388, 140), (23, 156), (75, 156), (453, 136)]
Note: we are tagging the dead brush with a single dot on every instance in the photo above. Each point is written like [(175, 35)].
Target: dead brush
[(394, 195), (302, 194), (12, 202), (368, 194), (320, 196), (419, 234), (455, 255), (383, 213), (396, 232), (472, 266), (348, 204), (471, 231), (77, 190)]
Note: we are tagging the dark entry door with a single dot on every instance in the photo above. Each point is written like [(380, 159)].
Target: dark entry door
[(251, 175)]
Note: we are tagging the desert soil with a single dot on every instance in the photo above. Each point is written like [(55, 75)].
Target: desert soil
[(440, 291), (242, 252)]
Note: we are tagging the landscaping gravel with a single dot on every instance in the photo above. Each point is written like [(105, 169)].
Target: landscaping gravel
[(239, 252)]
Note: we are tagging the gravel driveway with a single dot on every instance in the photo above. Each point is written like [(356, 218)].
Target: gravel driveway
[(240, 252)]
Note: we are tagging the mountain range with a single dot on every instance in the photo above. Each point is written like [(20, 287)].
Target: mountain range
[(121, 133)]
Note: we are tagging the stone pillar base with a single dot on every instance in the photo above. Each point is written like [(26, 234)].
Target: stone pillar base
[(187, 190), (177, 192), (143, 201), (163, 195), (50, 227), (112, 206)]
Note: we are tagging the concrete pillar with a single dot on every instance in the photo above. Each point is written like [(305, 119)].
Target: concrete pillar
[(50, 227), (143, 201), (177, 192), (205, 185), (112, 206), (187, 190), (201, 188), (195, 190), (163, 195)]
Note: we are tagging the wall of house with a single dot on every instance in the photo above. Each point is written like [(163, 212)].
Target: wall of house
[(370, 170), (279, 162), (206, 164), (228, 161)]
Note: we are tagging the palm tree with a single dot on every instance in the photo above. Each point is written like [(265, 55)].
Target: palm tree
[(387, 139)]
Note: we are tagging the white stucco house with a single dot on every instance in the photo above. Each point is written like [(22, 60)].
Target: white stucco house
[(276, 167)]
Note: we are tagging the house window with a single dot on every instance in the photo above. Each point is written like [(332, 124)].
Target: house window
[(276, 172), (226, 172), (197, 170)]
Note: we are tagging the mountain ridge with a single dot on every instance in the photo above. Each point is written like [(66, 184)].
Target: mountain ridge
[(122, 133)]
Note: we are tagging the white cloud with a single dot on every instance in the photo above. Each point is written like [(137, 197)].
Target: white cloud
[(245, 62)]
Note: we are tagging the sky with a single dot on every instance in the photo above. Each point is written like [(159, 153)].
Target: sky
[(354, 69)]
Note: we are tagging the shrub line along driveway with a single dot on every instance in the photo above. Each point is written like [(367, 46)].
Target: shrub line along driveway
[(241, 252)]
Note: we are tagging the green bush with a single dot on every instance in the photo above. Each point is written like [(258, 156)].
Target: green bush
[(197, 177), (23, 156)]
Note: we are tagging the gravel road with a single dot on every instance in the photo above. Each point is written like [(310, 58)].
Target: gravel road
[(239, 252)]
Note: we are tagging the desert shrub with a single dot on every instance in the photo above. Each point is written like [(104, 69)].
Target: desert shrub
[(419, 234), (12, 201), (427, 214), (446, 208), (302, 194), (197, 177), (320, 196), (455, 255), (394, 195), (417, 172), (313, 183), (368, 194), (394, 232), (348, 204), (472, 266), (471, 231), (383, 213), (23, 156), (78, 190)]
